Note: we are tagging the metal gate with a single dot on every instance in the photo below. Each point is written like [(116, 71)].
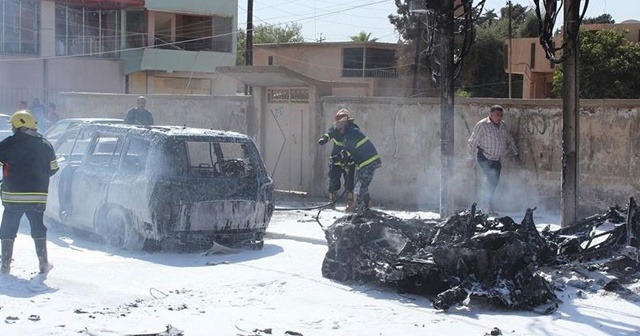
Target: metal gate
[(287, 132)]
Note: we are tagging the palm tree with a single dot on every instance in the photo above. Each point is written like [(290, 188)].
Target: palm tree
[(363, 37)]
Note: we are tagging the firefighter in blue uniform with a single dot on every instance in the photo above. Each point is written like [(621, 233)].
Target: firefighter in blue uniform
[(364, 155), (340, 164), (28, 160)]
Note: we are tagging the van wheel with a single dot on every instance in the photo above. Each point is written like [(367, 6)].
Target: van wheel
[(118, 231)]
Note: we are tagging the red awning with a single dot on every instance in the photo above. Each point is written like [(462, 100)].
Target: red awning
[(109, 4)]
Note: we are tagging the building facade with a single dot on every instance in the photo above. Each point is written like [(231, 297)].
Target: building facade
[(114, 46), (370, 63), (527, 58)]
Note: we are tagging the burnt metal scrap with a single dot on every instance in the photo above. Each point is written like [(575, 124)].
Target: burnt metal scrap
[(470, 255)]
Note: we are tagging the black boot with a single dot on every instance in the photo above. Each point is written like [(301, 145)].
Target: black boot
[(7, 254), (41, 251)]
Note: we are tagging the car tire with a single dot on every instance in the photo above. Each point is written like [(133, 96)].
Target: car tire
[(118, 231)]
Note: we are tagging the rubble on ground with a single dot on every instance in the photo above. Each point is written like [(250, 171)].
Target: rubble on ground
[(471, 255)]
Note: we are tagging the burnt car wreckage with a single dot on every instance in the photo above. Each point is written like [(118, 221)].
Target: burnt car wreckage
[(166, 187), (471, 255)]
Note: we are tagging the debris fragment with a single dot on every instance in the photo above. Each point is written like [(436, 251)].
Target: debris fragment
[(471, 255)]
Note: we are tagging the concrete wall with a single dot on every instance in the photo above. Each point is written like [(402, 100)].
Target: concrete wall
[(227, 113), (406, 133)]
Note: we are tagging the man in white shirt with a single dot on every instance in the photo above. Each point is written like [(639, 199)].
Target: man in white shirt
[(488, 143)]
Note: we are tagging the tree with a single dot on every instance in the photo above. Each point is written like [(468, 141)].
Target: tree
[(262, 33), (609, 66), (483, 69), (604, 18), (362, 37), (530, 27)]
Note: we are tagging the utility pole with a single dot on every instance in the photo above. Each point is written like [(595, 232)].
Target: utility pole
[(509, 47), (447, 74), (248, 55), (570, 117)]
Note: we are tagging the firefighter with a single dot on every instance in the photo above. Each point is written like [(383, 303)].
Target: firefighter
[(340, 165), (364, 155), (28, 161)]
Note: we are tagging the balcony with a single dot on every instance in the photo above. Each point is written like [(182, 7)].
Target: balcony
[(174, 60)]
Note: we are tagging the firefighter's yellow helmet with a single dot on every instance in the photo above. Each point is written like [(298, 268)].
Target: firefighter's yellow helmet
[(24, 119)]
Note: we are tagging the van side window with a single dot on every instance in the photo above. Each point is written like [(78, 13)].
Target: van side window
[(105, 151), (135, 157)]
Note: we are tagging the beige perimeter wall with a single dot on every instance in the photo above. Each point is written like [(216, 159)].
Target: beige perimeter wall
[(227, 113), (406, 133)]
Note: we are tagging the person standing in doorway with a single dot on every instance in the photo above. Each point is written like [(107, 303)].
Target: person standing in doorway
[(364, 155), (28, 160), (487, 145), (139, 115)]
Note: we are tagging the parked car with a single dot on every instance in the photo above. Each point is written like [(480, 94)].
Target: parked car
[(5, 126), (56, 130), (167, 187)]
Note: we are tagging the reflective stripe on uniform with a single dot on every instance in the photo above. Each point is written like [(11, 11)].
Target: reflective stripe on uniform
[(338, 143), (371, 159), (54, 164), (26, 197), (362, 142)]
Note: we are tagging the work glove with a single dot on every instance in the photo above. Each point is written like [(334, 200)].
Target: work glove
[(323, 140)]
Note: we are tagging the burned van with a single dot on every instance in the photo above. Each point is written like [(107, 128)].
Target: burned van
[(163, 186)]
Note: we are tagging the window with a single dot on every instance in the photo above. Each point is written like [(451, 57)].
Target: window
[(533, 55), (87, 31), (368, 62), (105, 150), (19, 28), (218, 159), (192, 32), (136, 27), (135, 157)]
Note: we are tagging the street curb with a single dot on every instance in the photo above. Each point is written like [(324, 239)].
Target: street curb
[(279, 235)]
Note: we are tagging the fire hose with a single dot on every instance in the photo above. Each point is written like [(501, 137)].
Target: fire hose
[(324, 205)]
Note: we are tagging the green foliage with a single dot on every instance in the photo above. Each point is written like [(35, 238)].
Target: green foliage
[(483, 69), (363, 37), (604, 18), (609, 65), (530, 27), (482, 73), (463, 94), (262, 33)]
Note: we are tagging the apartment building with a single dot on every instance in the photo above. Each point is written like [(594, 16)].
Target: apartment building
[(114, 46)]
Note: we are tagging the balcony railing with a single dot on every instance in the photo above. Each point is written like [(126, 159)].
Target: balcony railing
[(371, 73)]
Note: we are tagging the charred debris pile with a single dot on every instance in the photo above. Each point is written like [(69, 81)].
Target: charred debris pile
[(470, 255)]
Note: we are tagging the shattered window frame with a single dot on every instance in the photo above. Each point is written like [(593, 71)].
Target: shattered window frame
[(111, 156)]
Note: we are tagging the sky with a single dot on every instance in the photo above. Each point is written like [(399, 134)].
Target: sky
[(95, 290), (336, 21)]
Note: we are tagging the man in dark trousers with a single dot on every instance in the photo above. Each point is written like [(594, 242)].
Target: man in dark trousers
[(363, 153), (340, 164), (28, 160), (487, 145), (139, 115)]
